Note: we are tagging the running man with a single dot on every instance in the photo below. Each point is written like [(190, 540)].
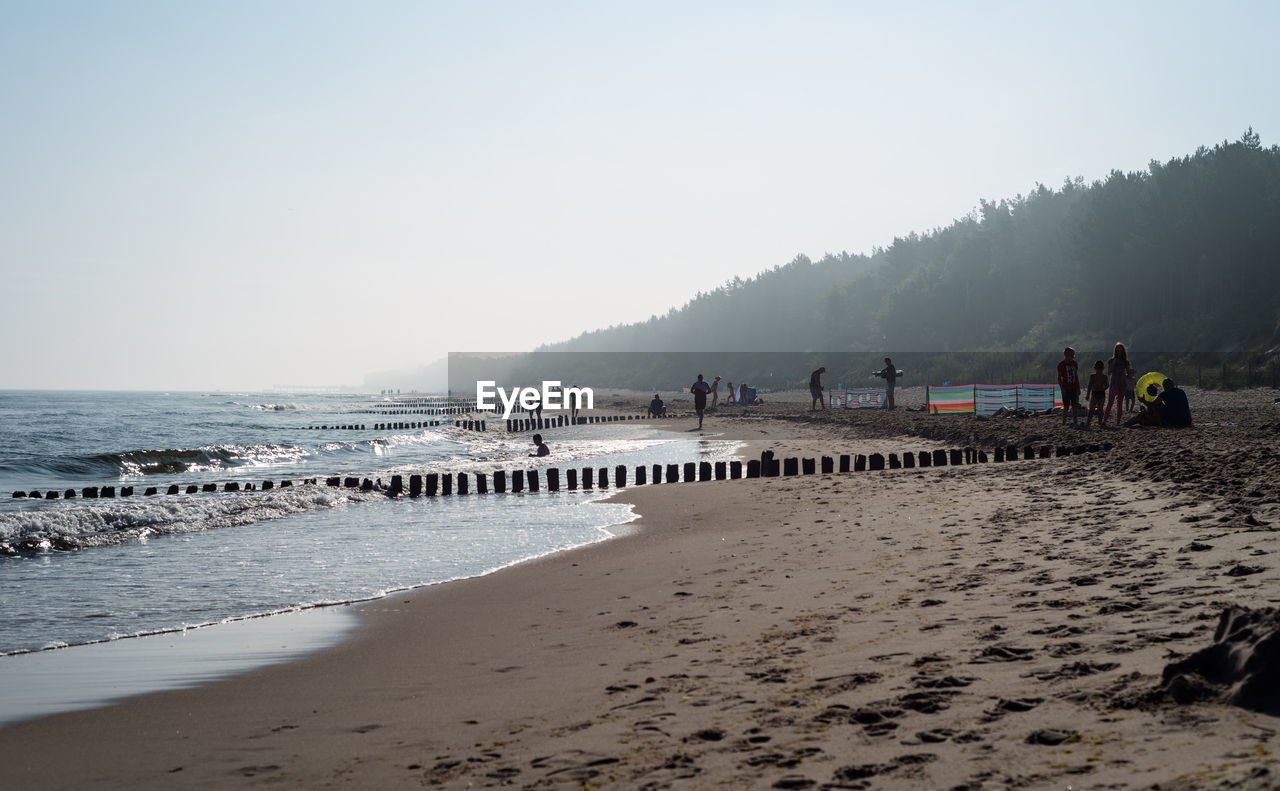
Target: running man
[(700, 390)]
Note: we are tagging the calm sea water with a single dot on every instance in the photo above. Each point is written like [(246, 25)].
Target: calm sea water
[(76, 572)]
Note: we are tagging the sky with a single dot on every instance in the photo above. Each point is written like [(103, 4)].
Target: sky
[(239, 195)]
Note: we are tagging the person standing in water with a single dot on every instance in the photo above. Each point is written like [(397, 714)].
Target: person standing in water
[(541, 448)]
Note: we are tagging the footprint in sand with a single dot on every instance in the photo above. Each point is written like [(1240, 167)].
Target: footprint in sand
[(1002, 653)]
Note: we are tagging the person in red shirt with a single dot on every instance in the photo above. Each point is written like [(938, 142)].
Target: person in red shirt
[(1069, 382)]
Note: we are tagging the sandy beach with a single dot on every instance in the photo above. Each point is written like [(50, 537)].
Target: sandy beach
[(977, 627)]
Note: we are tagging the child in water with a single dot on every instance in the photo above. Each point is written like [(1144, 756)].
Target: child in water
[(1098, 385)]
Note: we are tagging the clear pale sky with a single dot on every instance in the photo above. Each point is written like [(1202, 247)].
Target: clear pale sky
[(232, 195)]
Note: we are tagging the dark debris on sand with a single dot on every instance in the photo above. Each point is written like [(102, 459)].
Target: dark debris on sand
[(1240, 667)]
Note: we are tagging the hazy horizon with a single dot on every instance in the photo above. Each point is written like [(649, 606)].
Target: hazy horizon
[(234, 196)]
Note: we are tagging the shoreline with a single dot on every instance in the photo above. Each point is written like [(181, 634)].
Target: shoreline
[(811, 629), (114, 670), (108, 671)]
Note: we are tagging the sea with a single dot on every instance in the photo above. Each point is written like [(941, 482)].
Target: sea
[(105, 598)]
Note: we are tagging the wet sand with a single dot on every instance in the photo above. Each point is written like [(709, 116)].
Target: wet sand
[(988, 626)]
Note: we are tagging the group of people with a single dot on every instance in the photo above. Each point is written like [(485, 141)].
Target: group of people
[(744, 394), (1112, 384), (889, 373), (701, 389)]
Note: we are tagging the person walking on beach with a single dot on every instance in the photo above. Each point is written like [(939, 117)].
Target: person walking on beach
[(730, 397), (541, 449), (1069, 383), (1118, 369), (815, 389), (890, 374), (715, 392), (700, 390), (1097, 395)]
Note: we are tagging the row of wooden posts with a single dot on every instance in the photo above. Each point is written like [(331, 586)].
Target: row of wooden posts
[(107, 492), (397, 410), (514, 425), (540, 424), (377, 426), (767, 466)]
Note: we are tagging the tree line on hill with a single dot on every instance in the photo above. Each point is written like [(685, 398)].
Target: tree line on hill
[(1180, 261)]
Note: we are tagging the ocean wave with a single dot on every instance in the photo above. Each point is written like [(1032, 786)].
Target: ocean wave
[(80, 525), (171, 461)]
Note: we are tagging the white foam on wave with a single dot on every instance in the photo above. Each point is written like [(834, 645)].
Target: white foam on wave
[(77, 524)]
